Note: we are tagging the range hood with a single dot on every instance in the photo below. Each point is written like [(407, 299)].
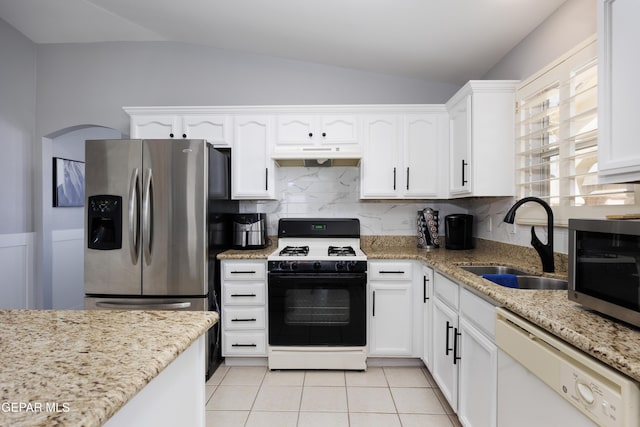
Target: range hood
[(316, 156)]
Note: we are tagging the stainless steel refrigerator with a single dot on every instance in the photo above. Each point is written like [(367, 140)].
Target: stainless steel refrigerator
[(156, 214)]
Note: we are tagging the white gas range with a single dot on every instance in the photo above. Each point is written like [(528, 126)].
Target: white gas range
[(317, 295)]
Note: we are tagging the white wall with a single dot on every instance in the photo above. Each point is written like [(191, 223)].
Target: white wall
[(17, 127)]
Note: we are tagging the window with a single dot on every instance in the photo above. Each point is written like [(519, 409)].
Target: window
[(557, 142)]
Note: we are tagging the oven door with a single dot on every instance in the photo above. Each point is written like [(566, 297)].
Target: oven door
[(317, 309)]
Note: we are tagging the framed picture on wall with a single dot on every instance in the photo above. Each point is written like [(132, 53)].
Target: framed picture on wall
[(68, 183)]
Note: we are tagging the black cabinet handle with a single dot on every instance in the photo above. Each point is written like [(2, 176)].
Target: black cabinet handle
[(310, 134), (324, 134), (394, 178), (266, 178), (243, 295), (456, 334), (244, 345), (242, 272), (464, 181), (373, 301), (424, 288), (171, 135), (391, 272), (407, 178), (446, 346), (243, 320), (184, 135)]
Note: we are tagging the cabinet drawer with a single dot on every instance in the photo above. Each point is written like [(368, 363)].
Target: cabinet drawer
[(239, 318), (244, 344), (243, 294), (390, 271), (243, 270), (478, 311), (446, 290)]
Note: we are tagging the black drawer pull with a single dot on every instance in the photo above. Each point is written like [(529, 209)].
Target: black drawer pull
[(243, 295), (243, 272), (391, 272), (447, 349), (244, 345), (243, 320), (456, 334)]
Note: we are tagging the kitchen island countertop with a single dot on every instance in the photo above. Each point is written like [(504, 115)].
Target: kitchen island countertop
[(78, 368)]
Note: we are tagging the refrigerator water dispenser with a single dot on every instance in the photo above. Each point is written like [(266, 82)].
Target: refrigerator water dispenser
[(104, 220)]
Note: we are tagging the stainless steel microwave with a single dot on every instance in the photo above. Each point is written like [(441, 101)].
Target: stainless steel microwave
[(604, 267)]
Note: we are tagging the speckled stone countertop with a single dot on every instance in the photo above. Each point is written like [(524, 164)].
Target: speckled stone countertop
[(616, 344), (88, 363)]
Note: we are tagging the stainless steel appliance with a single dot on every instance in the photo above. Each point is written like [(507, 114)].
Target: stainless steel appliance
[(156, 214), (317, 281), (604, 267), (249, 231), (458, 230)]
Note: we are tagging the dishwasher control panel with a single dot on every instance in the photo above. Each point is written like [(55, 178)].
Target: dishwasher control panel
[(591, 395)]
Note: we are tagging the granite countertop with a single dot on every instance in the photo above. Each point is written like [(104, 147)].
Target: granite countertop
[(87, 364), (614, 343)]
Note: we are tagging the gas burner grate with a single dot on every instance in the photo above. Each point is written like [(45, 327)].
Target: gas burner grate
[(295, 251), (341, 251)]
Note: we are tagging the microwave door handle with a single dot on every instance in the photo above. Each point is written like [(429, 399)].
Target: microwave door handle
[(147, 217), (134, 215)]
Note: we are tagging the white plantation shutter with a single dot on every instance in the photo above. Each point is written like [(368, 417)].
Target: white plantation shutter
[(557, 142)]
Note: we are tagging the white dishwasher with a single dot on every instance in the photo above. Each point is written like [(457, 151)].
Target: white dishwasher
[(543, 381)]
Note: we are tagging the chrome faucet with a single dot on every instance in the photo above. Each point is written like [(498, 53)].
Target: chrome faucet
[(545, 251)]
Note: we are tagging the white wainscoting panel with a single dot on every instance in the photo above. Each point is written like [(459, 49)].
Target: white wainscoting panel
[(17, 270), (67, 269)]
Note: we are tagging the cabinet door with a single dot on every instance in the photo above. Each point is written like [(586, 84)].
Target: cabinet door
[(478, 377), (421, 150), (379, 167), (338, 130), (460, 147), (156, 127), (427, 316), (444, 370), (253, 170), (391, 319), (296, 130), (215, 129), (618, 154)]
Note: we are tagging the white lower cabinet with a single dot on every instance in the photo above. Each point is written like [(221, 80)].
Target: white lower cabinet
[(394, 310), (464, 363), (244, 315), (427, 315)]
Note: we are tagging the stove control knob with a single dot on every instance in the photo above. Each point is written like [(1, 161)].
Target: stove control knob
[(352, 265), (283, 265), (340, 266), (317, 265), (294, 265)]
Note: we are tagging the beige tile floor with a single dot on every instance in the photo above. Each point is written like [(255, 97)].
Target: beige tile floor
[(385, 397)]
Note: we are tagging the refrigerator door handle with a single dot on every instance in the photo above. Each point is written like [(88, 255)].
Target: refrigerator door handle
[(144, 306), (134, 215), (147, 217)]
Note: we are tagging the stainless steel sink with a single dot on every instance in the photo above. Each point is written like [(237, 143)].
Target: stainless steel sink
[(492, 269), (541, 283)]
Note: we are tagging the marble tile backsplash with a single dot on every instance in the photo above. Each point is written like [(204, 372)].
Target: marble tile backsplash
[(335, 192)]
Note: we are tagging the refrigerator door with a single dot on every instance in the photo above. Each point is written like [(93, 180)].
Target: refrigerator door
[(173, 219), (112, 196)]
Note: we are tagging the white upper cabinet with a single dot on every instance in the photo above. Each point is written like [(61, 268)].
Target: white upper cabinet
[(482, 140), (164, 123), (402, 154), (309, 130), (618, 93), (252, 170)]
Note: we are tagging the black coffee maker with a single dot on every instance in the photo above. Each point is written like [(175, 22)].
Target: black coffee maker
[(458, 230)]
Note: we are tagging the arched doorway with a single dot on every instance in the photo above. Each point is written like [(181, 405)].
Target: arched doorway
[(61, 253)]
